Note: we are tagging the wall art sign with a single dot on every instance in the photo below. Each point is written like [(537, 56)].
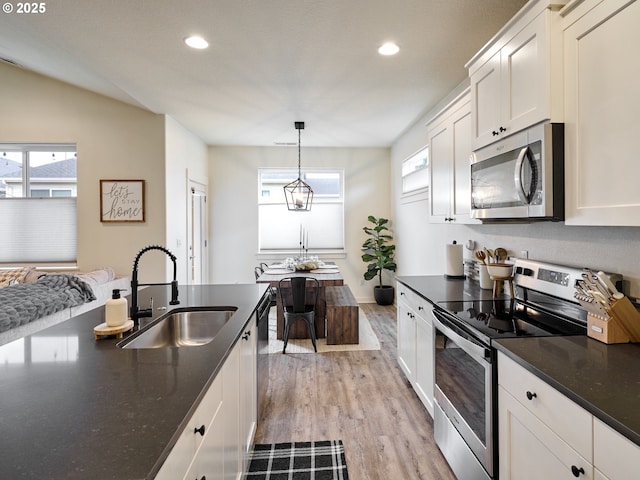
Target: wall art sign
[(122, 200)]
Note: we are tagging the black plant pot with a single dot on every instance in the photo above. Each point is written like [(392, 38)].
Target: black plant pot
[(383, 294)]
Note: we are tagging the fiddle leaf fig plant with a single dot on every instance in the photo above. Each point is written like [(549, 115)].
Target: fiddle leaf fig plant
[(377, 250)]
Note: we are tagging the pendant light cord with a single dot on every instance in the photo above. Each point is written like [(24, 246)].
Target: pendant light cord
[(299, 175)]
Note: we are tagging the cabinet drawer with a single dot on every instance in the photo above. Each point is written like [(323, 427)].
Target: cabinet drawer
[(614, 455), (568, 420), (413, 300), (186, 446)]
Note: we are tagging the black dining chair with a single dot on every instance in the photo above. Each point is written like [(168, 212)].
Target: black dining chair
[(258, 271), (299, 296), (273, 294)]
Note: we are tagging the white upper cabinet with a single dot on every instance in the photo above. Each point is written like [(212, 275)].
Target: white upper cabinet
[(516, 79), (450, 148), (601, 102)]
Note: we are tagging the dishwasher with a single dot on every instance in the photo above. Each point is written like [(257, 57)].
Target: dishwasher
[(262, 319)]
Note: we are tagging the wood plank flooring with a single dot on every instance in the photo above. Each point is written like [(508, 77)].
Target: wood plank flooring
[(361, 398)]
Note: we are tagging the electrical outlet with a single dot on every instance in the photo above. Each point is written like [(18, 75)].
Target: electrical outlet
[(524, 253)]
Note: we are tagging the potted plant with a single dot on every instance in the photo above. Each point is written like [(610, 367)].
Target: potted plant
[(378, 253)]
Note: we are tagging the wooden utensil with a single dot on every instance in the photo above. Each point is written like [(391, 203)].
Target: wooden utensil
[(501, 254), (480, 255)]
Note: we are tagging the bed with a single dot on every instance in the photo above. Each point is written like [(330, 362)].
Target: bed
[(31, 300)]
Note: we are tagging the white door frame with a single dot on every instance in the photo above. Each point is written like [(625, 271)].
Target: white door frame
[(197, 226)]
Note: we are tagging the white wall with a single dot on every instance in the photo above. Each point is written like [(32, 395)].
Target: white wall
[(114, 141), (186, 157), (421, 244), (234, 211)]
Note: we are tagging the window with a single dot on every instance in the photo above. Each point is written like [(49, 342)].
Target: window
[(38, 188), (279, 228), (415, 171)]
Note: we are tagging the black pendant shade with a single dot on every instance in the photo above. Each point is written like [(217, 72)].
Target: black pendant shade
[(298, 193)]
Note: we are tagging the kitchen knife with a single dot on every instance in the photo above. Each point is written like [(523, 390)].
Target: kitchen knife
[(613, 291)]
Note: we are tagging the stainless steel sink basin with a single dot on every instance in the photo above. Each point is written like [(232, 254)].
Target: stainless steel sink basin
[(181, 328)]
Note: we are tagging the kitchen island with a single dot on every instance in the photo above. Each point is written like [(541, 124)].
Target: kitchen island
[(74, 407)]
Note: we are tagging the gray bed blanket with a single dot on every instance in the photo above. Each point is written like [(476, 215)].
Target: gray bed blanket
[(25, 302)]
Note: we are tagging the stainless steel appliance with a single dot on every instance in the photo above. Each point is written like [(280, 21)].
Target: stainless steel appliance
[(262, 319), (520, 177), (465, 410)]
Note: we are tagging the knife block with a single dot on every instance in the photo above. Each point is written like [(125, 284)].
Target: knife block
[(622, 326)]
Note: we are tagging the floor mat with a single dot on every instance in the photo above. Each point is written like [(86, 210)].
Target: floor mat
[(322, 460)]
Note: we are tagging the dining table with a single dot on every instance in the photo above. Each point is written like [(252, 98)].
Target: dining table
[(327, 276)]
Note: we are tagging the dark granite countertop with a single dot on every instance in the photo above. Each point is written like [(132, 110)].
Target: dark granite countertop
[(603, 379), (439, 288), (76, 408)]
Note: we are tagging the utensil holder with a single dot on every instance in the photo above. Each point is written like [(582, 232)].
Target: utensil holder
[(621, 326)]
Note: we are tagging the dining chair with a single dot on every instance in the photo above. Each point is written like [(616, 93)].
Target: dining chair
[(298, 296), (273, 294)]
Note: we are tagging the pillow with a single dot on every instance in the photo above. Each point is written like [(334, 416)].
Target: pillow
[(32, 275), (15, 275)]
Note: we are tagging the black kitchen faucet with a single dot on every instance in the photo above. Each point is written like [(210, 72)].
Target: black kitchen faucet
[(135, 311)]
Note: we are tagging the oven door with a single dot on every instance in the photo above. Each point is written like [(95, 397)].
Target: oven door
[(464, 390)]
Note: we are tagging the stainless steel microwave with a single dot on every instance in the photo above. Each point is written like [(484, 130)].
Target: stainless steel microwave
[(521, 177)]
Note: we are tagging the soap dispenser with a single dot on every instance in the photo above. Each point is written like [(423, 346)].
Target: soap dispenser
[(116, 311)]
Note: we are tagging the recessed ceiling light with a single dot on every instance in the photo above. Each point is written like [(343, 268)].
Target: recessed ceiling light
[(389, 48), (194, 41)]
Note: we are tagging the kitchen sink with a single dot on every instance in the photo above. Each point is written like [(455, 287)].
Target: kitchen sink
[(181, 328)]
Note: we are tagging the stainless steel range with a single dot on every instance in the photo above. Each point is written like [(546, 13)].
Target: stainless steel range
[(465, 411)]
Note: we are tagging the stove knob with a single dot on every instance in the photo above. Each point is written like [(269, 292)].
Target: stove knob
[(518, 270), (527, 272)]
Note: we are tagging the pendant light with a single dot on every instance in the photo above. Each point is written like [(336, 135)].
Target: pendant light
[(298, 194)]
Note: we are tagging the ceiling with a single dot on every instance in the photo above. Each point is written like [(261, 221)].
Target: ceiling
[(269, 63)]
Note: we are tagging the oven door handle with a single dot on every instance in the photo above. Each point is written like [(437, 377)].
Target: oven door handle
[(476, 350)]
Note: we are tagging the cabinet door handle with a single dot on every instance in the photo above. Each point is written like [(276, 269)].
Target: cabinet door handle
[(246, 336), (495, 134), (576, 471), (502, 129), (199, 430), (531, 395)]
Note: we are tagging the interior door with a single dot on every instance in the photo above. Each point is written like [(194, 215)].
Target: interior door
[(197, 249)]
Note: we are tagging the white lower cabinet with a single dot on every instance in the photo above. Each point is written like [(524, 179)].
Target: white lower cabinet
[(415, 343), (248, 392), (614, 456), (219, 435), (542, 434)]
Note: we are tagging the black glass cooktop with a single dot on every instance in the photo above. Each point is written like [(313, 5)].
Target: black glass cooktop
[(510, 318)]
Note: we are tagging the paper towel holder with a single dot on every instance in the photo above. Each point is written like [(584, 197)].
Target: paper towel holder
[(454, 276)]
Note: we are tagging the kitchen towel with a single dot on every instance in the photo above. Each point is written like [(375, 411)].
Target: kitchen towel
[(453, 257)]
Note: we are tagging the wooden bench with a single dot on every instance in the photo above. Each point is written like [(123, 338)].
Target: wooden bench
[(342, 316)]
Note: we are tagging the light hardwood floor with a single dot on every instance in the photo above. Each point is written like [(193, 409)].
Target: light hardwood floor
[(359, 397)]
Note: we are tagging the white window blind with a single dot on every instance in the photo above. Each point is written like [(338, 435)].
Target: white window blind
[(38, 230), (279, 228)]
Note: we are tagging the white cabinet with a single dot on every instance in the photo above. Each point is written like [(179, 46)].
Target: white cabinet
[(602, 124), (529, 449), (415, 343), (248, 391), (192, 437), (216, 442), (450, 150), (542, 434), (614, 456), (516, 79)]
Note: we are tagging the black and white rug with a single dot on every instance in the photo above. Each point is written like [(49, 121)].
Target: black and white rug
[(323, 460)]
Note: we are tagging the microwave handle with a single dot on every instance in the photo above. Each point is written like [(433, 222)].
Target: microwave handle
[(517, 176)]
